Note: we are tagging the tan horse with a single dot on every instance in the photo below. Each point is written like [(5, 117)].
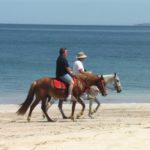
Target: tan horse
[(44, 87)]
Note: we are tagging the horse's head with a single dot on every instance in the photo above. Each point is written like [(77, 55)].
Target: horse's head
[(117, 83), (100, 83)]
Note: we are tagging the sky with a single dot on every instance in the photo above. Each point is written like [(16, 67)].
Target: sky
[(75, 12)]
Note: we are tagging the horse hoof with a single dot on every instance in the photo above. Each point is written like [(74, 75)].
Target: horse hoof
[(50, 120), (78, 117), (72, 118), (91, 116), (92, 112), (64, 117), (28, 119)]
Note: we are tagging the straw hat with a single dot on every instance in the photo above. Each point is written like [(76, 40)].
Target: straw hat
[(81, 55)]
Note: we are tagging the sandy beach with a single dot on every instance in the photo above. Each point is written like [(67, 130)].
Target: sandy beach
[(114, 127)]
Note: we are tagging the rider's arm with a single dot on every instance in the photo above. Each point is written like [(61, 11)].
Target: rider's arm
[(84, 72), (81, 71), (69, 70)]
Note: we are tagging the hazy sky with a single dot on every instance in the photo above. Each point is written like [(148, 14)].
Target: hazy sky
[(84, 12)]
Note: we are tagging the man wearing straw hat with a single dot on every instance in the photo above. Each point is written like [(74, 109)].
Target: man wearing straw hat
[(79, 68), (78, 65)]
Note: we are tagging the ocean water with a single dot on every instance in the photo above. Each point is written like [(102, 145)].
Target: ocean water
[(29, 52)]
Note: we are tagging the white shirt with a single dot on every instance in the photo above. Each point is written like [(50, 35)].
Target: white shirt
[(78, 65)]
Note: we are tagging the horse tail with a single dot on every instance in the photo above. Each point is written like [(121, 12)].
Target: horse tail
[(25, 105)]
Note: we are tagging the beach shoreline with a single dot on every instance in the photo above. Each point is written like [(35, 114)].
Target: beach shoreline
[(114, 127)]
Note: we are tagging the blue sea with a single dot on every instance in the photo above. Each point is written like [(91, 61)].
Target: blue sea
[(29, 52)]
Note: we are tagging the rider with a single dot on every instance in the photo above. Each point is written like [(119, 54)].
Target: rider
[(63, 71), (78, 65)]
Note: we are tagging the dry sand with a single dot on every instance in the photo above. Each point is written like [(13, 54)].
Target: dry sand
[(114, 127)]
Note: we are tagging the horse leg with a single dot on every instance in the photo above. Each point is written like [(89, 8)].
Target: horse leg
[(90, 108), (32, 107), (60, 109), (83, 108), (98, 105), (43, 107), (73, 109), (49, 102)]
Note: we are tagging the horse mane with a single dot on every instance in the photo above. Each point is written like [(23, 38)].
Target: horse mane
[(87, 77), (108, 78)]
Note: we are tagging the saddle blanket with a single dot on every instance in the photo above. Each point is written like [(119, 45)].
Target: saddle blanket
[(61, 85)]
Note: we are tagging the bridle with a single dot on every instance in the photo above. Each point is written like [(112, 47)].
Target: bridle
[(116, 82)]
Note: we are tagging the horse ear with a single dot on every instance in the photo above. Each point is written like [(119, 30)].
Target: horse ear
[(115, 74), (99, 76)]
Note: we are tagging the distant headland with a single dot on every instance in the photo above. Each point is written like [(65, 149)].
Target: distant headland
[(142, 24)]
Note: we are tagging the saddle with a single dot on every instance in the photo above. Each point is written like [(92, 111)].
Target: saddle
[(61, 85)]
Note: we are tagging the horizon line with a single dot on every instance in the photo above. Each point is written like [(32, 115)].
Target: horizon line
[(138, 24), (66, 24)]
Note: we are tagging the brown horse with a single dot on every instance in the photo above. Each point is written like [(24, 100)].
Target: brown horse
[(44, 87)]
